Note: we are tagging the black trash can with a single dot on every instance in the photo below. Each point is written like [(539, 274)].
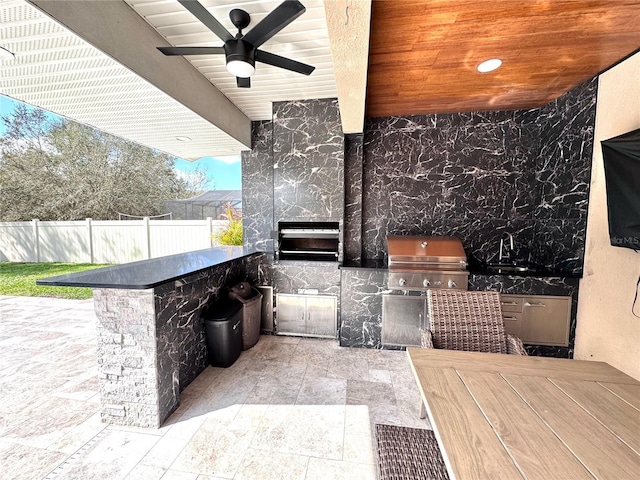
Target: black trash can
[(251, 300), (223, 328)]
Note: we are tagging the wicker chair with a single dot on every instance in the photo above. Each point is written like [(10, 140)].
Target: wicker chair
[(405, 453), (470, 321)]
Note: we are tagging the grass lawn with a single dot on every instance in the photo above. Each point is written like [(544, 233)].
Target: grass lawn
[(20, 279)]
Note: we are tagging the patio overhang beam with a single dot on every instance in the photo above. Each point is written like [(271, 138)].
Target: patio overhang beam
[(115, 29)]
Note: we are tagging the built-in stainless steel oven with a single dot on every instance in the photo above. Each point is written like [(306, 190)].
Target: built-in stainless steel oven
[(309, 241)]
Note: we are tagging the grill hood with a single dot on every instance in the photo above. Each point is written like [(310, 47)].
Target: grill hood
[(428, 252)]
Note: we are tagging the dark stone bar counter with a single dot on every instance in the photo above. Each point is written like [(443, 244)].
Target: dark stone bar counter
[(151, 340)]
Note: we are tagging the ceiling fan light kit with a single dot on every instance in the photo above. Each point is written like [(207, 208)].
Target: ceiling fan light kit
[(241, 68), (241, 52)]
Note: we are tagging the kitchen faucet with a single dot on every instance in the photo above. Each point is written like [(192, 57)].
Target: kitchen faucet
[(506, 255)]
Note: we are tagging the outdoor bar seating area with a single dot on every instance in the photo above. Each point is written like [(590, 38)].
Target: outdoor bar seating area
[(156, 306)]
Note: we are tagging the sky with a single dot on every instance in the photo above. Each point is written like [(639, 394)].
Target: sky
[(223, 173)]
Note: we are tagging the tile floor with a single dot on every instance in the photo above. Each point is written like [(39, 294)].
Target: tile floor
[(289, 408)]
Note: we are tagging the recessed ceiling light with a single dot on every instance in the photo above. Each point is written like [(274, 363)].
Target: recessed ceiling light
[(6, 54), (489, 65), (183, 139)]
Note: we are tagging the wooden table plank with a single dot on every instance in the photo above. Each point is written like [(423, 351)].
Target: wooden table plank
[(603, 453), (618, 416), (629, 393), (471, 448), (518, 365), (535, 448)]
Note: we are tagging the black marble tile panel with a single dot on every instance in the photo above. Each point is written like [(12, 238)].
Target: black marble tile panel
[(361, 307), (292, 276), (353, 164), (257, 189), (494, 172), (470, 119), (409, 123), (182, 353), (307, 142), (324, 108), (560, 243), (309, 193)]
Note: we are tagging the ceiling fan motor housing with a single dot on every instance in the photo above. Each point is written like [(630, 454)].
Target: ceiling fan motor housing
[(239, 50)]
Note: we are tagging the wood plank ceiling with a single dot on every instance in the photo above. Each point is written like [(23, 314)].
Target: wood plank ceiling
[(424, 53)]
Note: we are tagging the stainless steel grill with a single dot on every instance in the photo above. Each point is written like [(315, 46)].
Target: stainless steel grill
[(423, 262), (309, 241)]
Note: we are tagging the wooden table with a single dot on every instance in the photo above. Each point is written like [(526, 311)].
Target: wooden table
[(506, 416)]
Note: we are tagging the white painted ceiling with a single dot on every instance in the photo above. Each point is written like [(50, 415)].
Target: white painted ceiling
[(305, 40), (56, 70)]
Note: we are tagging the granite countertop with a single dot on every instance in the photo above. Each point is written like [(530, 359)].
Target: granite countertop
[(149, 273), (365, 264), (540, 272), (475, 269)]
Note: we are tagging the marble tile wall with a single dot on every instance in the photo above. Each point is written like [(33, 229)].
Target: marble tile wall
[(290, 276), (361, 307), (152, 342), (295, 172), (477, 175), (353, 159), (308, 156), (257, 189)]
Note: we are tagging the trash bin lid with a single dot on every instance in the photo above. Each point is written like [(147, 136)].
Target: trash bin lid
[(242, 290), (222, 310)]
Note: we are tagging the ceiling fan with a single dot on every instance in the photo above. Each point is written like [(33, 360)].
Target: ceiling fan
[(242, 51)]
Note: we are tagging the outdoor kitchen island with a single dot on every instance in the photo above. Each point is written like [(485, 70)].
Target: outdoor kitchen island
[(151, 341)]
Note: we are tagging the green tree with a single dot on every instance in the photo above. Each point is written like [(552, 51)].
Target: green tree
[(63, 170)]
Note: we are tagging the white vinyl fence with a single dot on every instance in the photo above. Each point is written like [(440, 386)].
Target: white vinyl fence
[(104, 241)]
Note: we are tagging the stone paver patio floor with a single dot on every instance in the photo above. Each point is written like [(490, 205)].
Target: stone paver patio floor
[(290, 408)]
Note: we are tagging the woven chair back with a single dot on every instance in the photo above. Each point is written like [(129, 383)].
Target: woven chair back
[(470, 321)]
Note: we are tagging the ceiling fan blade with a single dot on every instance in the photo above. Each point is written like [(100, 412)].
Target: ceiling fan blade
[(243, 82), (280, 17), (191, 50), (209, 20), (282, 62)]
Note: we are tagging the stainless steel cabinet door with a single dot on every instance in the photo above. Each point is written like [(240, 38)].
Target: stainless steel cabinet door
[(321, 316), (545, 320), (402, 318), (291, 310), (313, 315)]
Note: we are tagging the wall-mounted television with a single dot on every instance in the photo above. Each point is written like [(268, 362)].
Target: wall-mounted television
[(621, 157)]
